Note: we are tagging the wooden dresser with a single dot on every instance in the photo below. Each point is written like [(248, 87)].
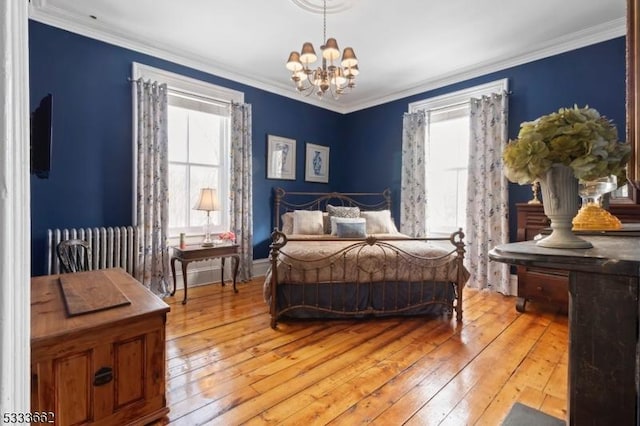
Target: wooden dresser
[(105, 367), (546, 285)]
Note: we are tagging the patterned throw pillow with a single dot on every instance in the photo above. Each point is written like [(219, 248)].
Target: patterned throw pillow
[(341, 211), (351, 229)]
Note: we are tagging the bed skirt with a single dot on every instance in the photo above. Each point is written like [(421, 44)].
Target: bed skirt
[(359, 300)]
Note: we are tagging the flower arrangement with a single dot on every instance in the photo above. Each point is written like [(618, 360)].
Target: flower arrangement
[(577, 137), (227, 236)]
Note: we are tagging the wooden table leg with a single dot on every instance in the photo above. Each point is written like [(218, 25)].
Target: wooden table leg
[(184, 280), (236, 263), (521, 302), (173, 272), (222, 270)]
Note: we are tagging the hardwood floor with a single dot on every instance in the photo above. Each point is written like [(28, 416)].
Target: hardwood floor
[(227, 366)]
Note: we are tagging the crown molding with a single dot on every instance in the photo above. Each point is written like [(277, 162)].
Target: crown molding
[(42, 11), (592, 35)]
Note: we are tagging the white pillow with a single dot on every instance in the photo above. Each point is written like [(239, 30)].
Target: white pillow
[(308, 222), (334, 220), (394, 229), (378, 222), (286, 225)]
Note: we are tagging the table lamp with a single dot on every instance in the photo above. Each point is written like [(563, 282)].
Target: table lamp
[(208, 201)]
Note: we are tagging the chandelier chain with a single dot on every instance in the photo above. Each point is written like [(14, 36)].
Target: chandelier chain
[(324, 26)]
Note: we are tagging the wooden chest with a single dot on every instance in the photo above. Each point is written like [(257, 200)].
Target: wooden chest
[(105, 367), (546, 285)]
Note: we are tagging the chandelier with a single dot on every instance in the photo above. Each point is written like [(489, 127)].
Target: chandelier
[(332, 76)]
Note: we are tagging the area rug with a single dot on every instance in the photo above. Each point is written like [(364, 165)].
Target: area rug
[(522, 415)]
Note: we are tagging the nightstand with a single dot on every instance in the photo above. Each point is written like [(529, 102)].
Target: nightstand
[(195, 253)]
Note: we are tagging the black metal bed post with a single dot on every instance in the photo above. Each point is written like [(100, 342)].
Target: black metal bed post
[(278, 194), (278, 240), (457, 239)]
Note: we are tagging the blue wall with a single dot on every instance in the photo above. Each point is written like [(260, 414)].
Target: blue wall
[(593, 75), (90, 182)]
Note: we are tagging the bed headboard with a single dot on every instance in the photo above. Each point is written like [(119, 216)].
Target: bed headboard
[(284, 201)]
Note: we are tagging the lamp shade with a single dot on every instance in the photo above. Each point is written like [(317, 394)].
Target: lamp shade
[(208, 200), (293, 63), (308, 54), (349, 58), (330, 50)]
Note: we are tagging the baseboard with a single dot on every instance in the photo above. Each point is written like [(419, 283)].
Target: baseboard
[(260, 267)]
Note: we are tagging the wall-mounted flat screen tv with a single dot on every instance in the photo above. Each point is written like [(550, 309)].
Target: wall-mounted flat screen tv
[(41, 137)]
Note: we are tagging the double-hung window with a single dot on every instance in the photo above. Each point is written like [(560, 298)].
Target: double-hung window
[(198, 158), (199, 138), (447, 153), (447, 145)]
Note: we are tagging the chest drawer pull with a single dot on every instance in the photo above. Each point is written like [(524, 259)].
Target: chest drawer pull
[(103, 376)]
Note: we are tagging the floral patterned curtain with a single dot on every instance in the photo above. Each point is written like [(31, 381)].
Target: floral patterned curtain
[(152, 208), (487, 196), (413, 193), (241, 191)]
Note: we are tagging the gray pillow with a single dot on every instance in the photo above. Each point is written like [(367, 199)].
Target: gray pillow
[(351, 229), (334, 220)]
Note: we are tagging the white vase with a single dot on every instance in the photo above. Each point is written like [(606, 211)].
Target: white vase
[(559, 189)]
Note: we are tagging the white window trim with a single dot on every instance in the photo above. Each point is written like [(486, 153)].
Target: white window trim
[(15, 211), (183, 84), (461, 96), (186, 84)]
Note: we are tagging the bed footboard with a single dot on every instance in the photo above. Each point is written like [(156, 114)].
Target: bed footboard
[(365, 277)]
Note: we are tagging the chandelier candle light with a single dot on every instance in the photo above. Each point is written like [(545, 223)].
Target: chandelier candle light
[(335, 78), (208, 201)]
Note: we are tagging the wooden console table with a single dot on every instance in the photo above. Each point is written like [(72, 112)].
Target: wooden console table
[(105, 367), (603, 323), (194, 253)]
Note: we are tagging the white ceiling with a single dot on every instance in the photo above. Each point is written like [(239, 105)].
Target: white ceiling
[(404, 46)]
